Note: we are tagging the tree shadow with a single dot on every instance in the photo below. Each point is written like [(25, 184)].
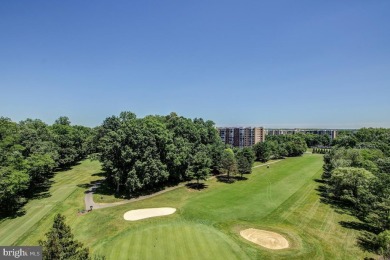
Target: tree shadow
[(360, 226), (368, 242), (67, 167), (196, 186), (225, 179), (240, 178), (320, 181), (327, 198), (40, 191), (100, 174), (14, 212)]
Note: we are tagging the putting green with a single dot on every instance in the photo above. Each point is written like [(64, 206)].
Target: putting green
[(173, 240)]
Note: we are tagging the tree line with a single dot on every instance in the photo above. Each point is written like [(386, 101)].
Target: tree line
[(280, 146), (357, 177), (137, 154), (29, 153), (143, 154)]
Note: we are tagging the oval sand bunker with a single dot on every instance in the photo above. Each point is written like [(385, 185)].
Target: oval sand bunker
[(138, 214), (264, 238)]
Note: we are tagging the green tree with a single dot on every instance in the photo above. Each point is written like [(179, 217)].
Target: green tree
[(60, 244), (199, 167), (12, 185), (64, 139), (245, 158), (353, 185), (384, 244), (148, 153), (262, 151), (228, 162)]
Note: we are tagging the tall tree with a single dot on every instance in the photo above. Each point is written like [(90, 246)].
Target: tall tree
[(199, 167), (60, 243), (228, 162), (245, 159)]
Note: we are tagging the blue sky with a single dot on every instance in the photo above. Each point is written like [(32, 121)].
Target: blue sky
[(263, 63)]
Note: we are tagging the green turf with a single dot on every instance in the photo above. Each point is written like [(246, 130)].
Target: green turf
[(172, 240), (66, 196), (281, 198)]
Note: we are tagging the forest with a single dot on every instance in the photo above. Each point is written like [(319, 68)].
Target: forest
[(29, 153), (357, 179)]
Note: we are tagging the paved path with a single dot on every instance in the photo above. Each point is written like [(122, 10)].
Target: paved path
[(88, 199), (265, 164)]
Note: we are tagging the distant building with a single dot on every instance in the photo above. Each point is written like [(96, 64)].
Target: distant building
[(241, 136), (329, 132)]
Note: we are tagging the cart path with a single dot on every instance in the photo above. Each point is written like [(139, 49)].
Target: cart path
[(88, 199)]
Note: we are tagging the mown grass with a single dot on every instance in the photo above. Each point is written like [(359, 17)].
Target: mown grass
[(282, 198), (66, 196)]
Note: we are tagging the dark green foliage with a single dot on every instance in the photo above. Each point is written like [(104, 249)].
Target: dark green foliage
[(313, 140), (147, 153), (245, 158), (228, 162), (279, 146), (199, 166), (384, 244), (29, 153), (60, 244), (356, 173), (12, 185), (73, 142)]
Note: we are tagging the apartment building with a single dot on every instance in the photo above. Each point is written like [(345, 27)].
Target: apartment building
[(329, 132), (241, 136)]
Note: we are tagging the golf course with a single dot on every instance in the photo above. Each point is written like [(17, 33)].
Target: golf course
[(281, 198)]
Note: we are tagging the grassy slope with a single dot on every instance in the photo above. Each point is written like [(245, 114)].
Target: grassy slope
[(65, 197), (281, 198)]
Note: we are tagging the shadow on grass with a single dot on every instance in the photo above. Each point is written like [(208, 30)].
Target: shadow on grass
[(241, 178), (231, 179), (196, 186), (366, 239), (367, 242), (360, 226), (39, 191), (327, 198), (14, 212), (225, 179), (67, 167), (100, 174)]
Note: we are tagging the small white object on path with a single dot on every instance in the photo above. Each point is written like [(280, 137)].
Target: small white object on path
[(265, 164)]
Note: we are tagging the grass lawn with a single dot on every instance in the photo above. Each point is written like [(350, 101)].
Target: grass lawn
[(281, 198)]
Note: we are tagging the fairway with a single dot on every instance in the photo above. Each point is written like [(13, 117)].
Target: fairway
[(207, 223), (63, 197)]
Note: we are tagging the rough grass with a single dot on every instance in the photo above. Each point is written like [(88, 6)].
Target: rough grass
[(282, 198)]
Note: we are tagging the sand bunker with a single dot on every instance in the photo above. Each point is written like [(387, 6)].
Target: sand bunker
[(264, 238), (138, 214)]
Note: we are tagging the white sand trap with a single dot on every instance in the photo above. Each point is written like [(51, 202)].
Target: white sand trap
[(138, 214), (264, 238)]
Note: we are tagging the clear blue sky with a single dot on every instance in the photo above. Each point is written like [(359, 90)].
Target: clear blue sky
[(266, 63)]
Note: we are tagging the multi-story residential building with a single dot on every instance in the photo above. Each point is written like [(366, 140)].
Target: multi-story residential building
[(329, 132), (241, 136)]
